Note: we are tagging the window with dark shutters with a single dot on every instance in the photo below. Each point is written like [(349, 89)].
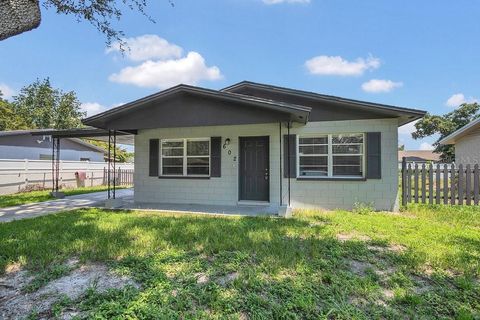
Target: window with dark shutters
[(374, 155), (153, 160), (290, 143), (216, 156)]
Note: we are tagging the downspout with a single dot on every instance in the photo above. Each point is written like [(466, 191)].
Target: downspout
[(288, 162), (280, 158)]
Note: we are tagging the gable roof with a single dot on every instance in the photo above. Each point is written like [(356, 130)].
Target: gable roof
[(405, 115), (453, 137), (296, 113), (47, 132)]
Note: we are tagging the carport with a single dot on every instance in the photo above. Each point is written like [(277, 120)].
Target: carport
[(112, 137)]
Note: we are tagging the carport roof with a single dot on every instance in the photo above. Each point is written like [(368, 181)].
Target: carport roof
[(123, 137)]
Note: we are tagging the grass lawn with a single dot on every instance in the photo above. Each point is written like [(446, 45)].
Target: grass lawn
[(421, 263), (17, 199)]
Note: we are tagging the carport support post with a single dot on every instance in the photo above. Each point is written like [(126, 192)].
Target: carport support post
[(56, 167), (112, 142), (404, 181)]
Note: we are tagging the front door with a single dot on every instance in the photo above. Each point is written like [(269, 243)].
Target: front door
[(254, 168)]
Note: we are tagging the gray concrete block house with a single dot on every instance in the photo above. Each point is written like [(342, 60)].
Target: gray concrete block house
[(257, 144)]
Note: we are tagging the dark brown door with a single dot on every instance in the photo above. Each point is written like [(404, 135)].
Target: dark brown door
[(254, 168)]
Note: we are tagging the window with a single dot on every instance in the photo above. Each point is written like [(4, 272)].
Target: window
[(186, 157), (45, 157), (332, 155)]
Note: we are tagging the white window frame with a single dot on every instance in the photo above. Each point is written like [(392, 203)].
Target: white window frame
[(330, 155), (185, 157)]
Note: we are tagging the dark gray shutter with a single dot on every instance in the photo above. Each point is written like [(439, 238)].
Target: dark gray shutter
[(216, 157), (292, 141), (374, 155), (154, 153)]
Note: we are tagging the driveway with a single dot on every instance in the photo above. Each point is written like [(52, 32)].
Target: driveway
[(38, 209)]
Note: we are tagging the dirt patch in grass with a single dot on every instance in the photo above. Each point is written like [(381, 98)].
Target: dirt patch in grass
[(342, 237), (15, 303)]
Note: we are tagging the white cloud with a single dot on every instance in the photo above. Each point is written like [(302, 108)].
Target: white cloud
[(92, 108), (148, 46), (336, 65), (7, 91), (285, 1), (377, 85), (458, 99), (426, 146), (163, 74), (408, 128)]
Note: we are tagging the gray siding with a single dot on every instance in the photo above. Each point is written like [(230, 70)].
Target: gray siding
[(467, 149)]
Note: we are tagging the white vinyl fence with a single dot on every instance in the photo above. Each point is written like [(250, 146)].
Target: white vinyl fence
[(17, 175)]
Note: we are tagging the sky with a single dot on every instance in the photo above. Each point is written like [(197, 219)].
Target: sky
[(415, 54)]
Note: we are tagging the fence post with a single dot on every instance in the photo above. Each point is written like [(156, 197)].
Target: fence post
[(26, 173), (404, 181)]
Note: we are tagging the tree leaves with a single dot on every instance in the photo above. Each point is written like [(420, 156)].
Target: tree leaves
[(444, 125)]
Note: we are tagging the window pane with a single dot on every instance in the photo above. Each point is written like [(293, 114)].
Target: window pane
[(172, 152), (316, 140), (347, 160), (318, 171), (313, 150), (347, 166), (348, 148), (314, 161), (172, 166), (178, 171), (347, 138), (198, 148), (198, 166), (347, 171), (172, 144)]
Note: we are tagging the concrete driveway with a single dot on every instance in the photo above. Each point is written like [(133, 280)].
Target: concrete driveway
[(38, 209)]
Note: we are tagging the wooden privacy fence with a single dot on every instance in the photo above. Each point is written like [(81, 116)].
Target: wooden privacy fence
[(440, 183), (124, 177)]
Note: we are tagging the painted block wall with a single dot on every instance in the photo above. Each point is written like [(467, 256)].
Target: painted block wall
[(381, 193), (467, 149)]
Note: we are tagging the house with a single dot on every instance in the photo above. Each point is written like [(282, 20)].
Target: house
[(467, 143), (419, 156), (20, 144), (257, 144)]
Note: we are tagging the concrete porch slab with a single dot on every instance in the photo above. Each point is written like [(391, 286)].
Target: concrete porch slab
[(241, 210)]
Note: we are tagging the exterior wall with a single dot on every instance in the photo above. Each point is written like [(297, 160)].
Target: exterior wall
[(467, 149), (27, 147), (219, 191), (381, 193)]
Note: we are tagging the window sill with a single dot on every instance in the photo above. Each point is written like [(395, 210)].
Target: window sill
[(183, 177), (332, 179)]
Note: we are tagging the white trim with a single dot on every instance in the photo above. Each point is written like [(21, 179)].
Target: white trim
[(330, 155), (185, 157)]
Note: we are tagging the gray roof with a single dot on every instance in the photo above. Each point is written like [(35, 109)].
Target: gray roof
[(463, 131), (408, 114), (299, 113)]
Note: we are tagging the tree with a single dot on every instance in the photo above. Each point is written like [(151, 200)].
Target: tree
[(121, 155), (9, 120), (445, 125), (25, 15), (42, 106), (401, 147)]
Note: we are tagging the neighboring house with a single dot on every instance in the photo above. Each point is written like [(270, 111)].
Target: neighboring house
[(230, 147), (420, 156), (467, 143), (20, 144)]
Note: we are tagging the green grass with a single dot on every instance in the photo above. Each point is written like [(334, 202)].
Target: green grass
[(287, 269), (17, 199)]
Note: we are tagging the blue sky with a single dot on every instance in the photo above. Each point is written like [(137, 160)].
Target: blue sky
[(418, 54)]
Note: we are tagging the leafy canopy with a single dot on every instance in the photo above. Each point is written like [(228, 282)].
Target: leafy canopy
[(445, 125), (42, 106), (9, 120)]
